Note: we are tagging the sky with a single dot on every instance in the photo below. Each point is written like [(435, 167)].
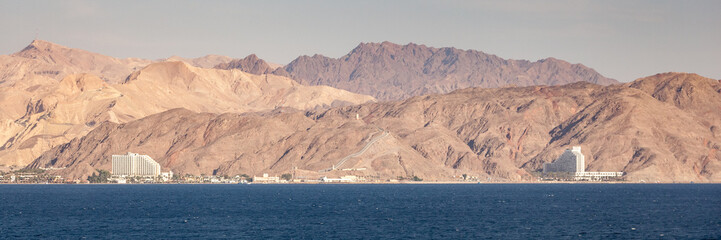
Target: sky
[(624, 40)]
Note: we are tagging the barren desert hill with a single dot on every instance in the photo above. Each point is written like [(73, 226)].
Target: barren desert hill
[(54, 114), (58, 112), (685, 91), (42, 61), (391, 71), (43, 64), (38, 113), (503, 134), (46, 59)]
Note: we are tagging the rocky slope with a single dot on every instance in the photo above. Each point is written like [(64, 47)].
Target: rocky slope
[(41, 64), (390, 71), (659, 128), (57, 112)]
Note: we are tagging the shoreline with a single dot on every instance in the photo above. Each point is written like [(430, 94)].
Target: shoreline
[(376, 183)]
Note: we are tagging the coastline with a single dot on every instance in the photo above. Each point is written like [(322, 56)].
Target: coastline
[(383, 183)]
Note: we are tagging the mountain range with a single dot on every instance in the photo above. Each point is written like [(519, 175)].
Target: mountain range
[(38, 115), (444, 113), (389, 71), (504, 134)]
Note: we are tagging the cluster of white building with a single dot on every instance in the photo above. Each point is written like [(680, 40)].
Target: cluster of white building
[(136, 165), (572, 163), (344, 179)]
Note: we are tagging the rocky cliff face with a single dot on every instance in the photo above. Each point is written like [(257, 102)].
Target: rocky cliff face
[(502, 134), (390, 71)]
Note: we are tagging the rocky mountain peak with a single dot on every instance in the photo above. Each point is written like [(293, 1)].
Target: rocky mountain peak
[(40, 47), (252, 57), (387, 48), (44, 59), (250, 64)]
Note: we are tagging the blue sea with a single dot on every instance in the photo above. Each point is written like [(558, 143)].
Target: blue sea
[(343, 211)]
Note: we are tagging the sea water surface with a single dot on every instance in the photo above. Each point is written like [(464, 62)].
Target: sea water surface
[(345, 211)]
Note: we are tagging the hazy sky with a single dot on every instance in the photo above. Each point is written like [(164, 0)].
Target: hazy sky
[(624, 40)]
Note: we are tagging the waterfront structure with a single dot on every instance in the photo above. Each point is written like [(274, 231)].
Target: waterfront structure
[(266, 179), (343, 179), (572, 164), (572, 160), (133, 164), (166, 176)]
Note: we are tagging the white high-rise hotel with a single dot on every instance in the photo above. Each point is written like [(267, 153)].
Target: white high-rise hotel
[(573, 162), (134, 164)]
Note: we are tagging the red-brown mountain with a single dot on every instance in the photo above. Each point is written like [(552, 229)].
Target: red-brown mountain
[(660, 128), (390, 71)]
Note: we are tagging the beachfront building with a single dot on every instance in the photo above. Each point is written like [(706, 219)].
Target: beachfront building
[(572, 160), (166, 176), (572, 165), (133, 164), (343, 179), (266, 179)]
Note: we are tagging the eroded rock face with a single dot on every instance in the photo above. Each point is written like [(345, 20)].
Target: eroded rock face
[(389, 71), (501, 133)]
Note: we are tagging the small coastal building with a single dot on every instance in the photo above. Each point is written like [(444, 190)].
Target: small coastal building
[(135, 165), (343, 179), (266, 179), (572, 165), (166, 176)]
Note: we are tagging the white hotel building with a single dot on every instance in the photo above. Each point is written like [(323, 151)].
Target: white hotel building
[(573, 162), (134, 164)]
